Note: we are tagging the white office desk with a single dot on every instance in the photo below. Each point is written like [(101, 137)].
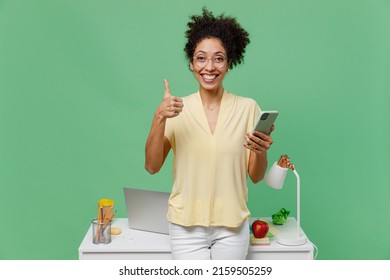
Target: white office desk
[(142, 245)]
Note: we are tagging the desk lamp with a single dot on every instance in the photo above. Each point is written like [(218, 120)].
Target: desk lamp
[(275, 179)]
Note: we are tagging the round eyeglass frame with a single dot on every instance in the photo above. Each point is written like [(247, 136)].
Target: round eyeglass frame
[(203, 64)]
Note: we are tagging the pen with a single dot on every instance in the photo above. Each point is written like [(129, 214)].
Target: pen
[(106, 215), (109, 220), (112, 216), (100, 214)]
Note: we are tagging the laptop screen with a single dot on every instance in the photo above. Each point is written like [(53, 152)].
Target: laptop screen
[(147, 210)]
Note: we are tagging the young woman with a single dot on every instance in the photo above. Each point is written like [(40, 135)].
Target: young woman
[(214, 150)]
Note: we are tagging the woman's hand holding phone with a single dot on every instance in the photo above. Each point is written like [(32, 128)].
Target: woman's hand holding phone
[(257, 141), (260, 140)]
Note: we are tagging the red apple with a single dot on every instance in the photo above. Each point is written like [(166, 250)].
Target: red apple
[(260, 228)]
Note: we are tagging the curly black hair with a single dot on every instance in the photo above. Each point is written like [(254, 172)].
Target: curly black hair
[(233, 37)]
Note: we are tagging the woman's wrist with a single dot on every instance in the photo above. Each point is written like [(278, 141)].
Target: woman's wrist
[(160, 116)]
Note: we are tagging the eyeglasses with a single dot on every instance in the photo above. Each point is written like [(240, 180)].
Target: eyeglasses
[(201, 61)]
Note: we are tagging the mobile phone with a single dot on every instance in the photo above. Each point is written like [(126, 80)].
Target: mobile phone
[(265, 121)]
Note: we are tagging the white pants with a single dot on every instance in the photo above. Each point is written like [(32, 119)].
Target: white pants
[(209, 243)]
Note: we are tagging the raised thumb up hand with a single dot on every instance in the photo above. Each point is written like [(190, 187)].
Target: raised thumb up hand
[(170, 106), (167, 90)]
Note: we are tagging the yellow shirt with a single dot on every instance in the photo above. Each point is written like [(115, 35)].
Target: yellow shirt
[(210, 170)]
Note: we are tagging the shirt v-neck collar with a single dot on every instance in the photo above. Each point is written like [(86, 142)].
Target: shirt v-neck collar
[(221, 114)]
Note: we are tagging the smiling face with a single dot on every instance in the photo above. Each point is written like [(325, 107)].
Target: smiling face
[(210, 64)]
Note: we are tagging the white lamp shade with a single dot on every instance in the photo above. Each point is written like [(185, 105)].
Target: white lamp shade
[(275, 176)]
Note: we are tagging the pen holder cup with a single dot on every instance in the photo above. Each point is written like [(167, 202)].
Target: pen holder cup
[(101, 232)]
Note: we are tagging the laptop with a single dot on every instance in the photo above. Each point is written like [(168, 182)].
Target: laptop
[(147, 210)]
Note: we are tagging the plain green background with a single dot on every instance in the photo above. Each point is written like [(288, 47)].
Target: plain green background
[(80, 80)]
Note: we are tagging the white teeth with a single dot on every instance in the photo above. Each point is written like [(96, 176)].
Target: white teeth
[(209, 77)]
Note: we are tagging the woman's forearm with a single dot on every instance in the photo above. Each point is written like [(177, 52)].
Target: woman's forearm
[(257, 166), (155, 148)]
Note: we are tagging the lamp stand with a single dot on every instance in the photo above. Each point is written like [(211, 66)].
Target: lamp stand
[(296, 238)]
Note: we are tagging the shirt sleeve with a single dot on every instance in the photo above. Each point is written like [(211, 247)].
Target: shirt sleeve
[(254, 114), (169, 131)]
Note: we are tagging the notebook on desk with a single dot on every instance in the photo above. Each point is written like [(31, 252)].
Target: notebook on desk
[(147, 210)]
